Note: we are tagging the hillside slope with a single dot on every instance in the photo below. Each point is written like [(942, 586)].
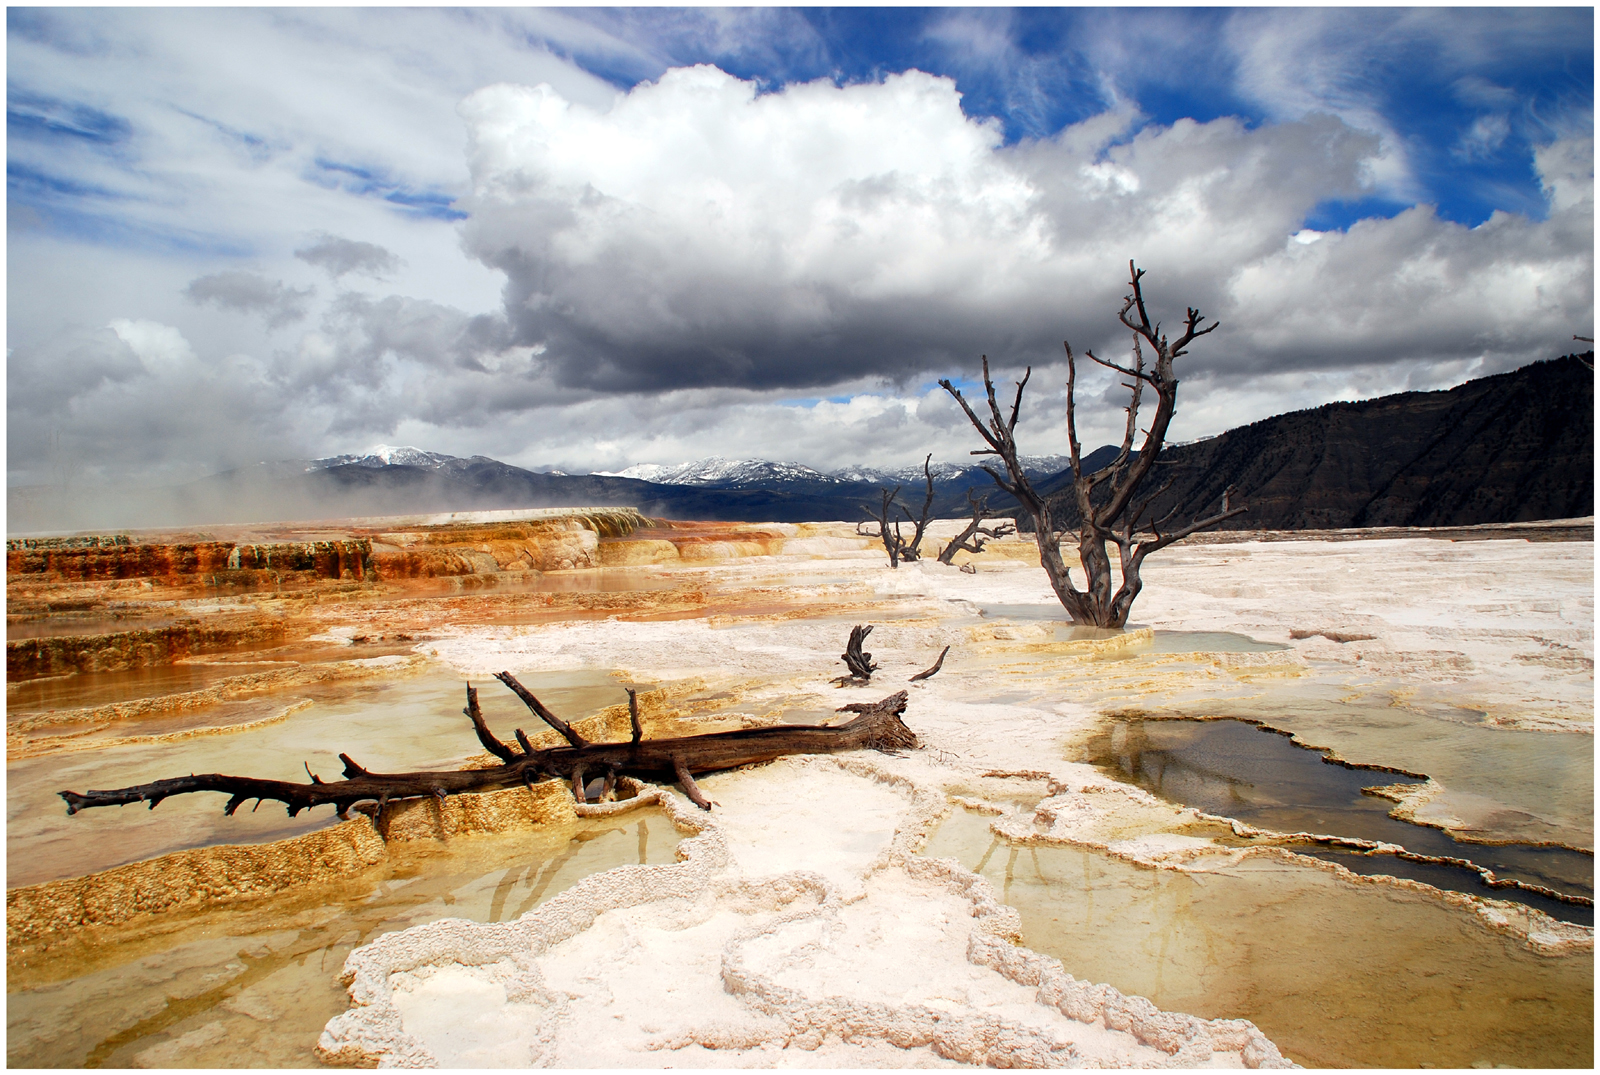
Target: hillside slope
[(1514, 447)]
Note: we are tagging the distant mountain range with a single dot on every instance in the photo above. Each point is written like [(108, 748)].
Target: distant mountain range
[(747, 473), (1510, 448), (725, 473), (384, 455)]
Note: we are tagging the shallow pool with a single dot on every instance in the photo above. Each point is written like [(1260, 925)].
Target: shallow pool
[(1337, 974), (1234, 769), (253, 986)]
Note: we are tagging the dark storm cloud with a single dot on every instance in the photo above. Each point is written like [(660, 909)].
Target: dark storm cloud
[(247, 292), (338, 257)]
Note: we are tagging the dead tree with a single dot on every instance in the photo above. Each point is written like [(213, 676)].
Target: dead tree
[(894, 542), (969, 539), (1110, 515), (876, 727), (860, 664)]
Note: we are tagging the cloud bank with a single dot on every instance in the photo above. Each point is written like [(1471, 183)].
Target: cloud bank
[(593, 238), (701, 233)]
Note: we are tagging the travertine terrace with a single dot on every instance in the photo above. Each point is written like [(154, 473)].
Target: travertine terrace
[(806, 922)]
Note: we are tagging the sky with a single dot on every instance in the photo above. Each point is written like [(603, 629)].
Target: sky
[(593, 237)]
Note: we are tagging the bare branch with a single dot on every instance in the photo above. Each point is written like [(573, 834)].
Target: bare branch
[(690, 788), (486, 737), (1016, 404), (1145, 548), (968, 540), (540, 711), (1072, 416), (929, 673), (1125, 371)]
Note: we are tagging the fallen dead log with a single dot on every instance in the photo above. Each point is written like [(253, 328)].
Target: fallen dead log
[(877, 726)]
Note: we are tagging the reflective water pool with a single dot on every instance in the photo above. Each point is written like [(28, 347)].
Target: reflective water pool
[(1234, 769), (253, 986), (1499, 783), (1338, 975)]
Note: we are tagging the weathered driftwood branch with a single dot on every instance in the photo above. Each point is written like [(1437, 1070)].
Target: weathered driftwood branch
[(929, 673), (860, 664), (877, 727), (561, 726)]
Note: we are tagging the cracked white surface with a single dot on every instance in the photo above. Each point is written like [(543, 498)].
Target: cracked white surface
[(742, 958), (799, 932)]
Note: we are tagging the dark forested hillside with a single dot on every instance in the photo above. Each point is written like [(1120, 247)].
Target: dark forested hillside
[(1510, 448)]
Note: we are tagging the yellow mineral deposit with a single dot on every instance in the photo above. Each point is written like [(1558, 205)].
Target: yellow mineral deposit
[(992, 897)]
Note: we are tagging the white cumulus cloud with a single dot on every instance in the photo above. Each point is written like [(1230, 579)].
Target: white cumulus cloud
[(702, 233)]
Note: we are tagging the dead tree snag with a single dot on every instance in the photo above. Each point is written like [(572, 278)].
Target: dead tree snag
[(894, 541), (969, 539), (860, 664), (877, 726), (1107, 510)]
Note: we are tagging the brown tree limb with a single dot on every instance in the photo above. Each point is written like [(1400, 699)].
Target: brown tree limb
[(929, 673), (969, 540), (912, 550), (539, 709), (690, 788), (485, 736), (877, 727)]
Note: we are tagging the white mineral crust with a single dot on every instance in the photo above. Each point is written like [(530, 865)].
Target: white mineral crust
[(801, 929)]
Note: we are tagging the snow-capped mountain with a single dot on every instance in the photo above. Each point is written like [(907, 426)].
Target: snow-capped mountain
[(879, 475), (386, 455), (714, 472), (1037, 466), (722, 472)]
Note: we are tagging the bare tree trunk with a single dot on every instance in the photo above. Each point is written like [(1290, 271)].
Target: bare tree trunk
[(1111, 517), (876, 727), (894, 542)]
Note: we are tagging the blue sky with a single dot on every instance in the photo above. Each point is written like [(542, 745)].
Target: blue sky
[(547, 236), (1046, 68)]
